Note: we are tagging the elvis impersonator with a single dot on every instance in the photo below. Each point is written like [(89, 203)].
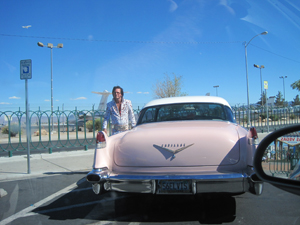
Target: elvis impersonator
[(120, 111)]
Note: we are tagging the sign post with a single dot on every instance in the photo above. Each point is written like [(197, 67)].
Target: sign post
[(266, 86), (25, 74)]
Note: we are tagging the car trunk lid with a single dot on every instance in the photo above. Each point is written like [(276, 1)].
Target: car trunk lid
[(179, 144)]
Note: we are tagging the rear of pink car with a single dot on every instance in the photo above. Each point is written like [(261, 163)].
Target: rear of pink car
[(177, 156)]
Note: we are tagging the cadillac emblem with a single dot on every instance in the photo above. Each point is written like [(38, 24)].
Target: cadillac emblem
[(173, 148)]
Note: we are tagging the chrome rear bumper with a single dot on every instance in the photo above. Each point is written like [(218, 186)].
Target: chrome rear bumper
[(214, 183)]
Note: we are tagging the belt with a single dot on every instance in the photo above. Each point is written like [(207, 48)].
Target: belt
[(117, 127)]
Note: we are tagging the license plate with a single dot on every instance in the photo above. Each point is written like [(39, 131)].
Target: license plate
[(174, 186)]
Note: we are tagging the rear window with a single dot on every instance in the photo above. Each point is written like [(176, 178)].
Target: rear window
[(186, 111)]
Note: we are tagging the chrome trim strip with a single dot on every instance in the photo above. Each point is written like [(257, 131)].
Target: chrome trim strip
[(134, 187), (178, 177)]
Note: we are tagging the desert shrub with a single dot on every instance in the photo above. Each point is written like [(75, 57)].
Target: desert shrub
[(13, 129), (89, 125), (273, 117), (263, 116), (98, 124)]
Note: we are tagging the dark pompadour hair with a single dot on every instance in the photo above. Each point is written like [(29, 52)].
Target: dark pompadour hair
[(116, 87)]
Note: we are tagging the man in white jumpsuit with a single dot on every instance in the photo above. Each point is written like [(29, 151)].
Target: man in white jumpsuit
[(120, 111)]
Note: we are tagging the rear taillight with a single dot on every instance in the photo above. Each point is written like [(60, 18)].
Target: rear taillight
[(100, 140), (253, 132), (100, 137)]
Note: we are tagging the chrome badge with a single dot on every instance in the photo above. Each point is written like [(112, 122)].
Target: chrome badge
[(174, 147)]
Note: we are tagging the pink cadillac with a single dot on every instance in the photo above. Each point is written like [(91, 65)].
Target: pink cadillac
[(181, 145)]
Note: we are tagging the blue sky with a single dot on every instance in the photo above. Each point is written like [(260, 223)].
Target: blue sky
[(134, 43)]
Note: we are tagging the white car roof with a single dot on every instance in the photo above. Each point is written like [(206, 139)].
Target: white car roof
[(187, 99)]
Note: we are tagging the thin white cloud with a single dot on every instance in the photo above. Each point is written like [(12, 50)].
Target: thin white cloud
[(57, 100), (173, 6), (80, 98), (10, 67), (14, 97), (26, 26), (143, 92), (5, 103)]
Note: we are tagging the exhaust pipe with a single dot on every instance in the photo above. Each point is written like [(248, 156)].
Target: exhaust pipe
[(93, 178), (97, 175), (255, 185)]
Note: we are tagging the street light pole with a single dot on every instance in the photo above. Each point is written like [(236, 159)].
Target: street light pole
[(50, 45), (246, 44), (261, 67), (216, 89), (52, 129), (283, 85)]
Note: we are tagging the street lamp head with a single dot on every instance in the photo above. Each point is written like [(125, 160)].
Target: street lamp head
[(50, 45), (264, 33), (40, 44), (60, 45), (260, 67)]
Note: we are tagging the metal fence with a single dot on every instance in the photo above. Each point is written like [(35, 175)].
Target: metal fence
[(264, 122), (77, 129), (281, 163), (60, 130)]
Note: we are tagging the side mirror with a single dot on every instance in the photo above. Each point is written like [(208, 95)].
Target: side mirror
[(277, 159)]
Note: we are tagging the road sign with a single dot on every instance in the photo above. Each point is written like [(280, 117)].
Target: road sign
[(266, 85), (25, 69), (25, 74)]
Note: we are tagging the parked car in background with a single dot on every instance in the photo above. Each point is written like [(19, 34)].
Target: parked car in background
[(181, 145)]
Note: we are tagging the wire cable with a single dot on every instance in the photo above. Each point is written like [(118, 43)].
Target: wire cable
[(122, 41), (146, 42)]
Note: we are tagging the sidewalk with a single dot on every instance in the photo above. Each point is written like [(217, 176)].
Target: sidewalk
[(14, 168)]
